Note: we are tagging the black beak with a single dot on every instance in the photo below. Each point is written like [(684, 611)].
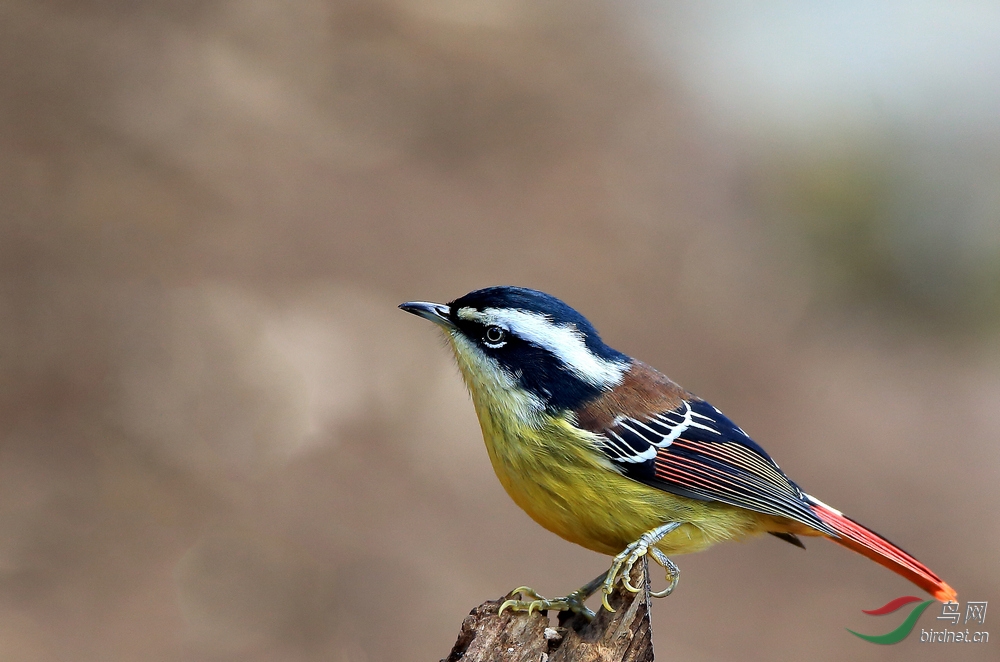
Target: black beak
[(435, 312)]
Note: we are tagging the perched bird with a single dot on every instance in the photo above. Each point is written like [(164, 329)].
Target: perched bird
[(610, 454)]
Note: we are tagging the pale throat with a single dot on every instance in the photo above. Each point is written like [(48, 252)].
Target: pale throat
[(494, 391), (516, 427)]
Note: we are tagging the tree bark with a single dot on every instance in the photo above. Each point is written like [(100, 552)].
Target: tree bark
[(622, 636)]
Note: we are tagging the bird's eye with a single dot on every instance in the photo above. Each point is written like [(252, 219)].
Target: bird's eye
[(494, 337)]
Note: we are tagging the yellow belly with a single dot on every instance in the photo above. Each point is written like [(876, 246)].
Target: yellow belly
[(557, 476)]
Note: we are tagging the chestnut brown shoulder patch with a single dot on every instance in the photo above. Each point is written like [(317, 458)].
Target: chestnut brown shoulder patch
[(643, 392)]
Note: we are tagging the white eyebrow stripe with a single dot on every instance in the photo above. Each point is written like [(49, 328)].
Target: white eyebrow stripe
[(564, 341)]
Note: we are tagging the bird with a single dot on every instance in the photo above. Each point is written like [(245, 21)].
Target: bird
[(608, 453)]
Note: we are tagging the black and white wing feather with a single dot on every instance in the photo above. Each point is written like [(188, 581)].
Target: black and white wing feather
[(695, 451)]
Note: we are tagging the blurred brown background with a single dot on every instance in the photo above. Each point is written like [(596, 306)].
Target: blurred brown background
[(220, 439)]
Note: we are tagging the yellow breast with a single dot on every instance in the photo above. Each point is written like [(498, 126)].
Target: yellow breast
[(553, 471)]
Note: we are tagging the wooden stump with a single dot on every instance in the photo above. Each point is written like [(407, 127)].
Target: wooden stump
[(622, 636)]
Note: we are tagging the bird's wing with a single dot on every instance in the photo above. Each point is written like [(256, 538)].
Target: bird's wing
[(693, 450), (658, 434)]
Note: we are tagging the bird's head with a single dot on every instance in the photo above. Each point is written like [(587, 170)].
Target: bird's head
[(523, 345)]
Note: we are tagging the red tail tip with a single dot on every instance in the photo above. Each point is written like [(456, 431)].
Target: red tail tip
[(946, 593)]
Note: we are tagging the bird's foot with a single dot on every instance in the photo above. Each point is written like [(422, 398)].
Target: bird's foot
[(573, 602), (621, 567)]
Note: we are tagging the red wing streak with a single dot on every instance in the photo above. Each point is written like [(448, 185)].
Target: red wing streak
[(731, 474), (741, 458)]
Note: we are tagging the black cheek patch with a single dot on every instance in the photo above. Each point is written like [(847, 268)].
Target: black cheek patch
[(539, 372)]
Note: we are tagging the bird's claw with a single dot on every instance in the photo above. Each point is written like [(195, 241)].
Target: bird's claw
[(622, 565), (525, 592), (673, 573), (535, 602), (621, 568), (627, 584)]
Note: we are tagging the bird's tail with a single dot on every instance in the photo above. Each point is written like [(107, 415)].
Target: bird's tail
[(863, 540)]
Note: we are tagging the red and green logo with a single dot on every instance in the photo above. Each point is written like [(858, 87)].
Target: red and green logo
[(904, 629)]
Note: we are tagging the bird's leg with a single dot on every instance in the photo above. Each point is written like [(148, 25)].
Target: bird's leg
[(573, 602), (622, 565)]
